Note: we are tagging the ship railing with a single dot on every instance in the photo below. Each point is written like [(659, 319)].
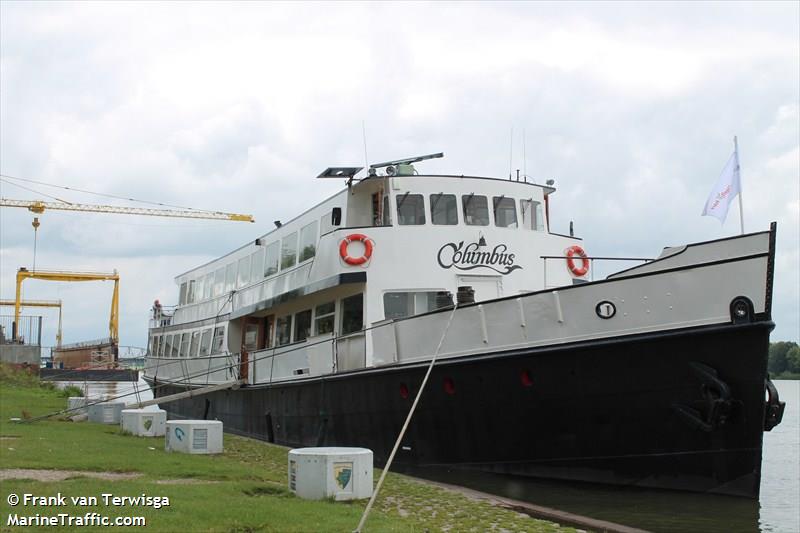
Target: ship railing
[(217, 306), (161, 315), (207, 370), (271, 287), (160, 321), (319, 355), (592, 273), (28, 330), (241, 297), (350, 352)]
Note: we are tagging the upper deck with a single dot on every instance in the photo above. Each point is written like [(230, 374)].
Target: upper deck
[(428, 233)]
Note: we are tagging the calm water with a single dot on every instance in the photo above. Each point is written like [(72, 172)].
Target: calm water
[(777, 511), (126, 391)]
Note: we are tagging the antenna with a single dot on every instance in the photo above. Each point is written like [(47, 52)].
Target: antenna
[(364, 135), (524, 158), (511, 152)]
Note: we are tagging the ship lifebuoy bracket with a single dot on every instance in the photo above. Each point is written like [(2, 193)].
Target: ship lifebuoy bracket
[(355, 237), (573, 251)]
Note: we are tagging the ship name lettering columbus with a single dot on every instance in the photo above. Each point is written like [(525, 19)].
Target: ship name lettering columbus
[(469, 257)]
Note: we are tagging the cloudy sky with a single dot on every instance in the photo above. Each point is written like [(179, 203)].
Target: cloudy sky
[(631, 108)]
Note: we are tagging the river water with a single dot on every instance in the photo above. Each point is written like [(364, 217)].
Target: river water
[(778, 509)]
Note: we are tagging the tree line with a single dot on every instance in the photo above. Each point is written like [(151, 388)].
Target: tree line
[(784, 360)]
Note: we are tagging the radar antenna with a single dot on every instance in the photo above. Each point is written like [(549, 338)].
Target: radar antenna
[(407, 161)]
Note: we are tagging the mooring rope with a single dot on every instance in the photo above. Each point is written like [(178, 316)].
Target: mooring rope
[(405, 425)]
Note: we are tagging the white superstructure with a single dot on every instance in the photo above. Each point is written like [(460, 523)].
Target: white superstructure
[(294, 287)]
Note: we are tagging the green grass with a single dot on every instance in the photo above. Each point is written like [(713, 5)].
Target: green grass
[(241, 490)]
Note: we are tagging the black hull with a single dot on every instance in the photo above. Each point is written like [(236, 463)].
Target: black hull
[(677, 410)]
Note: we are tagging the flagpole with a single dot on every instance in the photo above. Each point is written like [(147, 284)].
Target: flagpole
[(739, 173)]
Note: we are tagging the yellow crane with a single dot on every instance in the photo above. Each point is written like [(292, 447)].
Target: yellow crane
[(38, 303), (38, 207), (60, 275)]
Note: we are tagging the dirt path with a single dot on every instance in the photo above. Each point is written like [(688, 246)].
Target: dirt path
[(61, 475)]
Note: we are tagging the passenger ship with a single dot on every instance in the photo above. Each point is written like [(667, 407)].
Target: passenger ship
[(654, 376)]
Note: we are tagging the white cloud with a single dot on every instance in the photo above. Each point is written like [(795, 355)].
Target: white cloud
[(630, 107)]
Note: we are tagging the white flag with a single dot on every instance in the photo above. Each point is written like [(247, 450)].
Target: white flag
[(727, 187)]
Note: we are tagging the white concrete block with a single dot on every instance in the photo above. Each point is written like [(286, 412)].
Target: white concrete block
[(340, 473), (106, 413), (194, 436), (144, 422), (77, 405)]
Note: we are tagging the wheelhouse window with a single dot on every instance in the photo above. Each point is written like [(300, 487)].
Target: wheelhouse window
[(476, 210), (156, 346), (205, 342), (505, 212), (324, 318), (182, 294), (444, 209), (410, 209), (308, 241), (166, 346), (271, 258), (402, 304), (302, 325), (230, 277), (283, 330), (532, 217), (387, 215), (352, 314), (219, 338), (289, 251), (257, 265)]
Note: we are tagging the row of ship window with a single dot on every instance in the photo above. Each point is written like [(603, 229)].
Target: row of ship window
[(197, 343), (292, 249), (443, 209), (298, 247), (294, 327), (290, 328), (297, 327)]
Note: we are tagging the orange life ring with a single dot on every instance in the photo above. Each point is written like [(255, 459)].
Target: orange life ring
[(572, 251), (355, 261)]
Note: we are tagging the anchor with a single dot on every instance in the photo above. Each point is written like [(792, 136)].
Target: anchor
[(717, 397), (773, 412)]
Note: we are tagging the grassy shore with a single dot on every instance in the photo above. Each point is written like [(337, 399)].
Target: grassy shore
[(242, 490)]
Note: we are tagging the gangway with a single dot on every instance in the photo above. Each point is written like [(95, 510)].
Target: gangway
[(188, 394)]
